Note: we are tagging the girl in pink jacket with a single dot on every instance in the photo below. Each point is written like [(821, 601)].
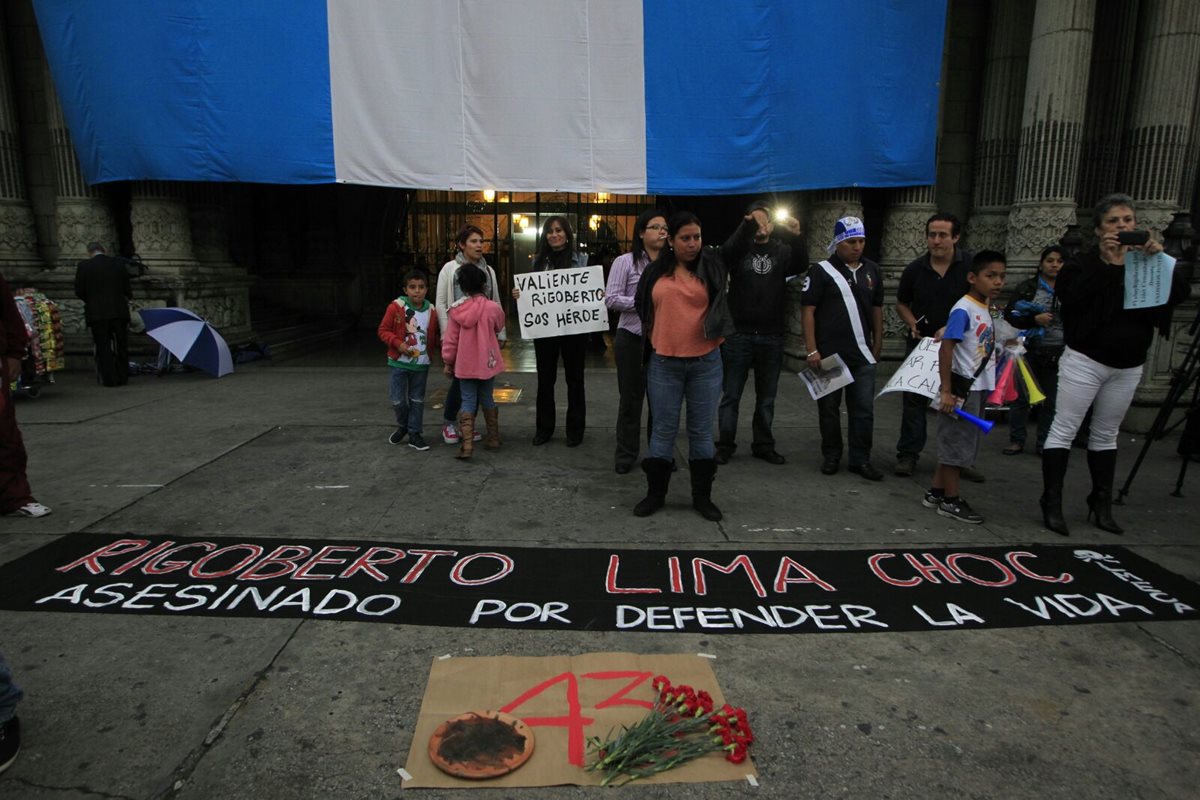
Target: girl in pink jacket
[(471, 352)]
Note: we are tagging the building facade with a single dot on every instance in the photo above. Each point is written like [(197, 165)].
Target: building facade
[(1047, 105)]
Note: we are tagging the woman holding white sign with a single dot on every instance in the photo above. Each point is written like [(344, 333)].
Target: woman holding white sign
[(649, 237), (1101, 364), (556, 250), (685, 317)]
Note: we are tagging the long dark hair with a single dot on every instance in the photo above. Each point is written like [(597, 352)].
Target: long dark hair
[(639, 227), (543, 249), (677, 221)]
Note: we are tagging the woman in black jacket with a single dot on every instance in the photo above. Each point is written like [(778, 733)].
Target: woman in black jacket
[(1101, 366), (556, 250), (685, 317)]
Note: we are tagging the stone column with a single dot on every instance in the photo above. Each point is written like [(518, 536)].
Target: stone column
[(1051, 127), (220, 289), (1108, 99), (1157, 136), (81, 214), (162, 229), (999, 124), (903, 235), (208, 219), (1157, 143), (18, 233), (1191, 168), (903, 239)]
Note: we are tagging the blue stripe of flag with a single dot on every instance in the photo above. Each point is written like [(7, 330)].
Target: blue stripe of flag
[(766, 95), (224, 90)]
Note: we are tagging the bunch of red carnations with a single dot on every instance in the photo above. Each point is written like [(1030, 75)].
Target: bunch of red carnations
[(682, 725)]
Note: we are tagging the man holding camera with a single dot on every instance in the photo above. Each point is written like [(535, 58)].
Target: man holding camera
[(759, 268)]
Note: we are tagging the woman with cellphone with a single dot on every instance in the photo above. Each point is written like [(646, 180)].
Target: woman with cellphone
[(1101, 364)]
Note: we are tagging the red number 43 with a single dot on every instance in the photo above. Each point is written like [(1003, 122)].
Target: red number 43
[(574, 720)]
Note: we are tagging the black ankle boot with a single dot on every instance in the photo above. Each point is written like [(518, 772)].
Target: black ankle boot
[(1054, 471), (1103, 466)]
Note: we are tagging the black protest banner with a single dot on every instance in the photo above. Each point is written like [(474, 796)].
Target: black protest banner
[(729, 591)]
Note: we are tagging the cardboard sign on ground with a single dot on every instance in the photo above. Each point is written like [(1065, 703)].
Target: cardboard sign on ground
[(565, 699)]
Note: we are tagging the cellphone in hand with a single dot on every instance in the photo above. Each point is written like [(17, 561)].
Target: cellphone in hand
[(1134, 238)]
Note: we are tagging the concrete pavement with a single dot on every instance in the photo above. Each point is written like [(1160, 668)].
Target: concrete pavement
[(154, 706)]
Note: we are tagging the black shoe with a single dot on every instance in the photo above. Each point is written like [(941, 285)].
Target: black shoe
[(574, 441), (417, 442), (905, 466), (867, 471), (959, 509), (10, 742), (623, 468), (830, 466), (397, 436), (723, 455), (769, 456), (541, 438)]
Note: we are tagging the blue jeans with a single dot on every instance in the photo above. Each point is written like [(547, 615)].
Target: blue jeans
[(10, 693), (407, 391), (860, 410), (476, 394), (740, 353), (670, 381), (912, 417)]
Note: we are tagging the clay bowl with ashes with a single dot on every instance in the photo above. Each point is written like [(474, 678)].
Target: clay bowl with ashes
[(481, 744)]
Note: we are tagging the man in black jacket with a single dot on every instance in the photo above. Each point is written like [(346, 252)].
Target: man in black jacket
[(102, 283), (759, 268)]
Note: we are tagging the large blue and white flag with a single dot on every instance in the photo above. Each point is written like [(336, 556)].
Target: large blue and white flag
[(630, 96)]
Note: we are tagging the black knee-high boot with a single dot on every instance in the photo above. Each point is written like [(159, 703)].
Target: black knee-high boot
[(1103, 466), (1054, 471), (658, 478), (703, 471)]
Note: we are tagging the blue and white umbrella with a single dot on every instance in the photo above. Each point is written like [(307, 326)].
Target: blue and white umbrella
[(189, 338)]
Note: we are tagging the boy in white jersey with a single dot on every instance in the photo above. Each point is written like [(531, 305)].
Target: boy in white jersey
[(409, 329), (968, 373)]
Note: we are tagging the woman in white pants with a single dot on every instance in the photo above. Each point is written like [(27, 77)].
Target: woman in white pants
[(1101, 365)]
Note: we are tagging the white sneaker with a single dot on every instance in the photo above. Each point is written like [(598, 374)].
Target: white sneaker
[(449, 433), (34, 509)]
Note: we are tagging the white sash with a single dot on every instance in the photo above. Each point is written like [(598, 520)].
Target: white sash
[(851, 309)]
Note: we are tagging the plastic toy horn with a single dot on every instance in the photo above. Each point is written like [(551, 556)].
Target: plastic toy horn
[(982, 424), (1031, 385)]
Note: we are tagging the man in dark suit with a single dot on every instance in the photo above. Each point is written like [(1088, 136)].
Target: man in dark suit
[(102, 283)]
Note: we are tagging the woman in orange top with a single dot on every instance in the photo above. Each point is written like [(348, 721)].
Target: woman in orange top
[(685, 317)]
